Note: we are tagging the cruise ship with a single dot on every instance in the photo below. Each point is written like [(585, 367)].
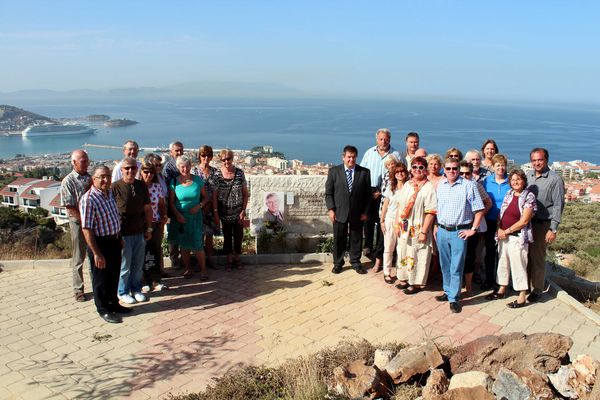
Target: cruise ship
[(56, 130)]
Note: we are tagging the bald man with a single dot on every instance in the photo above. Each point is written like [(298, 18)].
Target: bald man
[(71, 189)]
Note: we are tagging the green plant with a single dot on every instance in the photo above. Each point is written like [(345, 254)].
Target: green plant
[(325, 243)]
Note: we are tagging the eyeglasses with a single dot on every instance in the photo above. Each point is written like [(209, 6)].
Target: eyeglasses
[(102, 177), (465, 173), (226, 159), (419, 167), (402, 171), (129, 168), (147, 171), (451, 168)]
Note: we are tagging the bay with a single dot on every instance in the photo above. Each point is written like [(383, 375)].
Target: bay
[(317, 129)]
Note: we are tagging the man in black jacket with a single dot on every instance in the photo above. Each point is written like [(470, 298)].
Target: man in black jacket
[(348, 197)]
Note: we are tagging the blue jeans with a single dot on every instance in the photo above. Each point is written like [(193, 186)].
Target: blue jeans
[(132, 263), (452, 250)]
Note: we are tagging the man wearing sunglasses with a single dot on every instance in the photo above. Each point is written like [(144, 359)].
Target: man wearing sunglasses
[(459, 214), (133, 202)]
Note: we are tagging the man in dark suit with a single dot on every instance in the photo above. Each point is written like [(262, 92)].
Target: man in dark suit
[(348, 197)]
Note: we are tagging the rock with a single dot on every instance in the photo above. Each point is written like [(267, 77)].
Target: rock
[(414, 360), (560, 381), (437, 384), (382, 358), (356, 380), (585, 369), (516, 351), (510, 387), (471, 379), (472, 393), (538, 384)]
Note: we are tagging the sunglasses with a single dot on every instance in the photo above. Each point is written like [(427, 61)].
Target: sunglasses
[(205, 155), (147, 171), (451, 168), (129, 168), (453, 156), (226, 159), (419, 167), (465, 173)]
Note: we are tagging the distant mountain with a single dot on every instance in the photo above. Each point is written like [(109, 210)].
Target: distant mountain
[(193, 88), (17, 119)]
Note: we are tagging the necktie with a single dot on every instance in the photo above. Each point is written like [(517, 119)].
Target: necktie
[(349, 179)]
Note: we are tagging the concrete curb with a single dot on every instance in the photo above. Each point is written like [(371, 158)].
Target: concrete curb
[(569, 300)]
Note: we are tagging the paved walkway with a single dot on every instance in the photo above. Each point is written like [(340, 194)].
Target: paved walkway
[(53, 348)]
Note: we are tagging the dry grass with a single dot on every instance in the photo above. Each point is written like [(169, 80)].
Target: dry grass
[(303, 378), (25, 251)]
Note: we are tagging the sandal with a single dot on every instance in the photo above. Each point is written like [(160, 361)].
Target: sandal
[(187, 274), (516, 304), (388, 279), (495, 296), (412, 290), (402, 285)]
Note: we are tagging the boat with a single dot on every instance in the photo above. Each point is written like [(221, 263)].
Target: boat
[(57, 130)]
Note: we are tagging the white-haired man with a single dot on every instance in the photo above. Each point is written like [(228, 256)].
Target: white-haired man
[(130, 149), (72, 187)]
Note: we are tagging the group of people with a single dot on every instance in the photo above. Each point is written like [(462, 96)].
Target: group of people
[(465, 214), (118, 217), (415, 212)]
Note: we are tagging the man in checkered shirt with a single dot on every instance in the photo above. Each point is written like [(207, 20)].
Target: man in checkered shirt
[(460, 210)]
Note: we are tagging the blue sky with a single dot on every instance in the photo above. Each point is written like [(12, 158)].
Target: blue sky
[(523, 50)]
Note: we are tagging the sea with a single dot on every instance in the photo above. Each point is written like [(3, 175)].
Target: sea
[(316, 130)]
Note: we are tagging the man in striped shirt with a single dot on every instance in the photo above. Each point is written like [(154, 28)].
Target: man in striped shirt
[(459, 213), (101, 224)]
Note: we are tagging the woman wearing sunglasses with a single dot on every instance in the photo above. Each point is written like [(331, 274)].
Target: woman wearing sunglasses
[(417, 205), (398, 176), (211, 227), (154, 254), (231, 198)]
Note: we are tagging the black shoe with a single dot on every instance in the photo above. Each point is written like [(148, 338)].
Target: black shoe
[(442, 297), (533, 297), (112, 318), (122, 310), (336, 270), (455, 307), (360, 270), (487, 286)]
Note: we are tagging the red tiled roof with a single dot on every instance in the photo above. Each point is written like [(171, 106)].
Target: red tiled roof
[(17, 182), (595, 190), (45, 184), (55, 201), (29, 196)]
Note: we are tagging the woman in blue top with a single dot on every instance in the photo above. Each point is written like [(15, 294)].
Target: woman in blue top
[(187, 198), (496, 185)]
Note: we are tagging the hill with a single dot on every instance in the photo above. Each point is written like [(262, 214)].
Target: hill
[(16, 119)]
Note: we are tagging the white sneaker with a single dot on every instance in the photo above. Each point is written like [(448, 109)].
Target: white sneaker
[(127, 299), (146, 289), (160, 286), (140, 297)]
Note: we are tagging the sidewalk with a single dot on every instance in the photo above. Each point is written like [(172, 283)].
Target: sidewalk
[(53, 348)]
